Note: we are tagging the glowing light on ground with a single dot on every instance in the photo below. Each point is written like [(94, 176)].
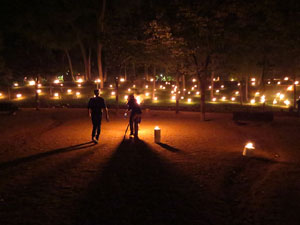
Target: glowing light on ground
[(281, 96), (257, 93), (113, 93), (233, 99), (126, 97), (78, 94), (214, 99), (97, 81), (274, 102), (19, 95), (69, 91), (80, 80), (252, 101), (189, 100), (287, 102), (38, 91), (56, 94)]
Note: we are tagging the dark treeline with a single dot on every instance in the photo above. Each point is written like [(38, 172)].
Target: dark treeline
[(137, 38)]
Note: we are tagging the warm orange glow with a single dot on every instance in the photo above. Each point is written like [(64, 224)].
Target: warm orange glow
[(56, 94), (19, 95), (214, 99), (31, 82), (138, 99), (189, 100), (80, 80), (249, 145), (97, 81), (290, 88), (16, 84), (122, 79), (56, 81), (79, 85), (78, 93), (252, 101), (126, 97), (69, 91), (113, 93), (156, 128), (38, 91)]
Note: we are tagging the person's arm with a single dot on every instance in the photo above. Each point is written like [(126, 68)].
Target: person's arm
[(106, 114)]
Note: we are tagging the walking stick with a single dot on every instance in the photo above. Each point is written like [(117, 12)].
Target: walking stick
[(125, 132)]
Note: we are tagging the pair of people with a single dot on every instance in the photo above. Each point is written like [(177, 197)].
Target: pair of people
[(96, 106)]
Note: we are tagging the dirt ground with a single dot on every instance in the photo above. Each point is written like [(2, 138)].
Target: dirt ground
[(50, 172)]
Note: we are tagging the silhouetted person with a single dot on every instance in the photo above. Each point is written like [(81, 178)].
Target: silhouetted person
[(298, 106), (135, 115), (95, 108)]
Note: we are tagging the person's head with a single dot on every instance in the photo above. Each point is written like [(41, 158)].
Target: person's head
[(96, 92), (131, 97)]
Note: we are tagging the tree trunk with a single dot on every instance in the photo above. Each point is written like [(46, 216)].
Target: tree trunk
[(153, 86), (70, 63), (247, 89), (99, 62), (89, 65), (212, 75), (146, 72), (183, 83), (177, 95), (85, 60), (202, 89)]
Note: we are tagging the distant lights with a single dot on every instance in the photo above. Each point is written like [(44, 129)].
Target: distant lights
[(56, 94), (263, 99), (110, 86), (233, 99), (222, 86), (287, 102), (281, 96), (278, 83), (214, 99), (16, 84), (31, 82), (286, 78), (223, 98), (39, 85), (217, 91), (129, 90), (78, 93), (155, 98), (237, 93), (173, 97), (197, 93), (146, 86), (194, 80), (147, 94), (80, 80), (189, 100), (78, 85), (113, 93), (38, 91), (296, 82), (69, 91), (151, 79), (126, 97), (97, 81), (274, 102), (122, 80), (56, 81), (257, 93), (253, 79), (290, 88), (252, 101), (19, 95)]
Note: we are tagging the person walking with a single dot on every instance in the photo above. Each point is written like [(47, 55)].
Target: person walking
[(95, 107), (135, 115)]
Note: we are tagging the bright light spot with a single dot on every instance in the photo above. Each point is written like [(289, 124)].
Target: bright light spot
[(296, 82), (69, 91), (56, 94), (61, 85), (178, 92), (147, 94), (160, 86), (184, 89), (155, 98), (38, 91), (217, 91), (78, 94), (126, 97), (173, 97), (223, 98), (253, 79), (39, 85), (19, 95), (16, 84), (253, 83), (164, 88), (232, 79), (193, 88), (222, 86), (182, 97), (269, 82), (80, 80), (214, 99), (146, 86), (156, 128), (194, 80), (278, 82), (129, 90), (281, 96), (233, 99), (189, 100), (290, 88), (237, 93), (56, 81), (122, 79), (31, 82), (197, 93), (79, 85), (239, 84), (0, 94), (133, 86), (257, 93), (195, 85), (263, 99), (287, 102), (97, 81), (113, 93), (151, 79), (209, 87), (286, 78), (189, 93), (252, 101), (138, 99), (249, 145), (274, 102)]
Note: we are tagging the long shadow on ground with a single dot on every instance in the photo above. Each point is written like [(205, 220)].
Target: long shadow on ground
[(139, 187), (30, 158)]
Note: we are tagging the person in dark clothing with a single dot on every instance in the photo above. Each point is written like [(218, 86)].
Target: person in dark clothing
[(135, 115), (298, 106), (95, 108)]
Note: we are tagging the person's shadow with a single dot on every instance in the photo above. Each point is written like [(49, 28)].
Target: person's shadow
[(138, 187), (30, 158)]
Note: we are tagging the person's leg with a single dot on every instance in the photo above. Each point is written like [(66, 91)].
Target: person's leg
[(94, 127), (98, 129), (131, 125)]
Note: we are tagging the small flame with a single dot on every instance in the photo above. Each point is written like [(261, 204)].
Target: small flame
[(249, 145)]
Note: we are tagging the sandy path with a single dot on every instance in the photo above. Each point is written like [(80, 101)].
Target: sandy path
[(51, 174)]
